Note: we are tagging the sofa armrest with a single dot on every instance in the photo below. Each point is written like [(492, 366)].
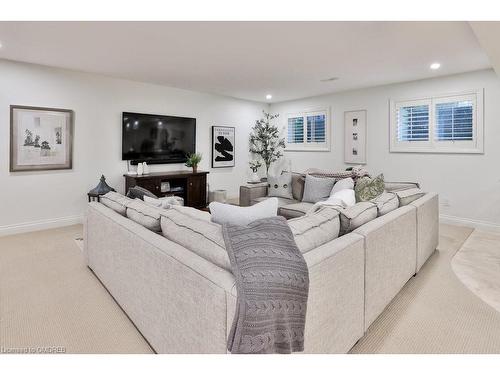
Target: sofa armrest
[(250, 192)]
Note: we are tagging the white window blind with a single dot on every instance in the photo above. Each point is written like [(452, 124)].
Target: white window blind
[(307, 131), (295, 130), (413, 123), (454, 121), (446, 123)]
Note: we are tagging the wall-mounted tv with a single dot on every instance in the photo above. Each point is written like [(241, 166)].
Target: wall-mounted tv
[(157, 139)]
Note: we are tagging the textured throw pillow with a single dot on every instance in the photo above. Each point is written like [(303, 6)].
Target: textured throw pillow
[(139, 192), (116, 202), (317, 188), (386, 202), (409, 195), (280, 186), (229, 214), (369, 188), (346, 183)]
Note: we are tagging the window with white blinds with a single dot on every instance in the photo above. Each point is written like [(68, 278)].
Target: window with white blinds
[(451, 123), (308, 131)]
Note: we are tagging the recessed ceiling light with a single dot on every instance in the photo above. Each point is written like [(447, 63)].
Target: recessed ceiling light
[(435, 66), (329, 79), (269, 96)]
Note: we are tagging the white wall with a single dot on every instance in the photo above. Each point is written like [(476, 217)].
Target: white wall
[(469, 185), (32, 200)]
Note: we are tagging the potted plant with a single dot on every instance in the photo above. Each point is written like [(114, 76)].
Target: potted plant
[(265, 140), (193, 160), (254, 166)]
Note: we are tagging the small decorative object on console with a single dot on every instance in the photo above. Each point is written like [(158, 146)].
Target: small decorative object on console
[(101, 189), (193, 160), (254, 166)]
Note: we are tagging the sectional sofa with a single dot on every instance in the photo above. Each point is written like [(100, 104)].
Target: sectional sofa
[(183, 302)]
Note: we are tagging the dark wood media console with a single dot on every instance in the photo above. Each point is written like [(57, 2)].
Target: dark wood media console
[(188, 185)]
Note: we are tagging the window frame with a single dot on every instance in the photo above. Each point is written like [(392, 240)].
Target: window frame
[(305, 146), (475, 146)]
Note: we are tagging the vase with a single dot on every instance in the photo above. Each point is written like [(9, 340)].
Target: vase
[(140, 169), (254, 177), (145, 168), (195, 169)]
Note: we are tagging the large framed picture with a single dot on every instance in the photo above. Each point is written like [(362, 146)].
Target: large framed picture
[(41, 139), (223, 142), (355, 137)]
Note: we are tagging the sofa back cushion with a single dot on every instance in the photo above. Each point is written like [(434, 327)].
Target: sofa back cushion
[(227, 213), (317, 188), (357, 215), (386, 202), (144, 214), (298, 180), (396, 186), (198, 235), (315, 229), (116, 202)]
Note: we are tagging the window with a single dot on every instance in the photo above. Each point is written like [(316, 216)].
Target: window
[(308, 131), (452, 124)]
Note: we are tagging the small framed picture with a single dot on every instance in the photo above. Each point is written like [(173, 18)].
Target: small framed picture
[(41, 139), (223, 146), (355, 137)]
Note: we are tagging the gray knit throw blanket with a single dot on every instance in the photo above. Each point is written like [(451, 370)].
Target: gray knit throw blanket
[(272, 281)]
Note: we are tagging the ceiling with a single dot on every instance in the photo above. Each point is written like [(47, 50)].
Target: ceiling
[(250, 59)]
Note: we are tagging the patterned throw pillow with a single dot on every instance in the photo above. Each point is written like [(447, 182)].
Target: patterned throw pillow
[(369, 188), (280, 186)]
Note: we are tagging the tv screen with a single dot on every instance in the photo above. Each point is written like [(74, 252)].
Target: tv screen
[(157, 138)]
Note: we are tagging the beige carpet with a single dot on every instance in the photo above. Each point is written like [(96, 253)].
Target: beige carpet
[(48, 297)]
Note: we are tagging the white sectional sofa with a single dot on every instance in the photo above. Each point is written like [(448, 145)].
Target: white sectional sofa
[(184, 303)]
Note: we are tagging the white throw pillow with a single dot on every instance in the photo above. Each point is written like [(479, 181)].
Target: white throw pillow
[(165, 202), (229, 214), (346, 183)]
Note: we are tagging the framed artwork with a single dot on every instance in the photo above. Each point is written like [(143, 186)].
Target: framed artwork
[(355, 137), (41, 139), (223, 142)]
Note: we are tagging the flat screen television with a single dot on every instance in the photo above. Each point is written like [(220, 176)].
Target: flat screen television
[(157, 139)]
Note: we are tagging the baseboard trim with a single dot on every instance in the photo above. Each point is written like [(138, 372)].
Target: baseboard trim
[(33, 226), (477, 224)]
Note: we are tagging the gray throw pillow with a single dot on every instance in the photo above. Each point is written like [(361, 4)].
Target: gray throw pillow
[(317, 188), (139, 192), (280, 186)]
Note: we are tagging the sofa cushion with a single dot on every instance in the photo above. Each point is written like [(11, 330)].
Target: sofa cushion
[(396, 186), (227, 213), (369, 188), (200, 236), (165, 202), (116, 202), (357, 215), (409, 195), (295, 209), (281, 201), (144, 214), (280, 186), (386, 202), (317, 188), (193, 212), (315, 229)]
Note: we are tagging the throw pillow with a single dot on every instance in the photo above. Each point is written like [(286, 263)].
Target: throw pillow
[(280, 186), (139, 192), (317, 188), (346, 183), (369, 188), (229, 214)]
